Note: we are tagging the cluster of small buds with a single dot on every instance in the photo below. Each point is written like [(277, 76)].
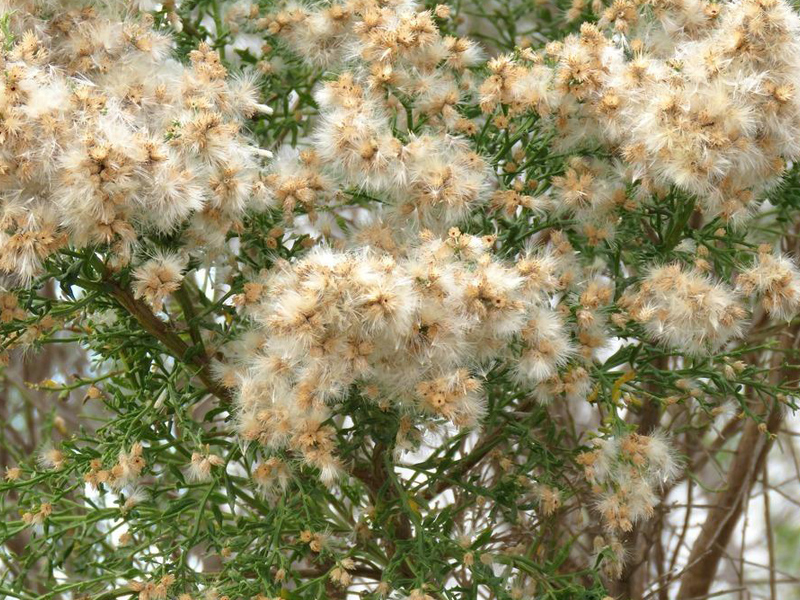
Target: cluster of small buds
[(201, 464), (625, 474), (125, 472), (547, 347), (340, 574), (106, 137), (39, 516), (732, 369), (614, 553), (418, 594), (407, 330), (465, 541), (35, 330), (454, 396), (510, 201), (52, 459), (238, 16), (685, 309), (591, 190), (573, 384), (271, 476), (549, 498), (590, 317), (9, 308), (295, 181), (775, 278), (316, 541), (250, 295), (158, 277), (152, 590)]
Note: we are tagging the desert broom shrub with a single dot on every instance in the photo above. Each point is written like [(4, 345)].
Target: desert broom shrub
[(384, 299)]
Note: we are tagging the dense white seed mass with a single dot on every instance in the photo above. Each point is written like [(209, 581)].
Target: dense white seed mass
[(407, 329), (686, 309), (104, 137), (776, 280)]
